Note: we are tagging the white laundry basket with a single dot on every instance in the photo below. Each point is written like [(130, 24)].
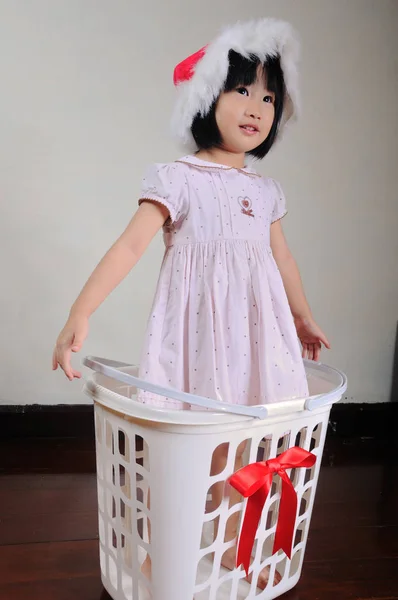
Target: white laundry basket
[(169, 452)]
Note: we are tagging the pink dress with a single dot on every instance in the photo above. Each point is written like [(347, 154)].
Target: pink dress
[(220, 325)]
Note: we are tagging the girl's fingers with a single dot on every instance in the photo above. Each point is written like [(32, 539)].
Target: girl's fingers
[(64, 363), (68, 341), (67, 372), (312, 351), (70, 372), (324, 340)]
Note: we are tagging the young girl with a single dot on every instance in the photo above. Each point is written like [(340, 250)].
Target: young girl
[(229, 309)]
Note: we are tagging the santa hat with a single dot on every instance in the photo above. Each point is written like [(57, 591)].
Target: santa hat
[(200, 78)]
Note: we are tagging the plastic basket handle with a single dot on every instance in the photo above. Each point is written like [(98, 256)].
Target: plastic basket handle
[(111, 368)]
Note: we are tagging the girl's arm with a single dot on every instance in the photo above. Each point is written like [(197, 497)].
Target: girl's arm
[(111, 270), (121, 257), (311, 336)]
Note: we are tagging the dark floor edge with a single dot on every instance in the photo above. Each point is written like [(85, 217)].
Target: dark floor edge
[(372, 421)]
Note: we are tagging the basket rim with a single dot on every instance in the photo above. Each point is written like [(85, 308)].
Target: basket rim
[(98, 387)]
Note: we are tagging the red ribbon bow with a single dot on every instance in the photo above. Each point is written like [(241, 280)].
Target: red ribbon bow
[(254, 482)]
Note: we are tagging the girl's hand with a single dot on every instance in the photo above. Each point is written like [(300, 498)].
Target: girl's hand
[(70, 340), (311, 337)]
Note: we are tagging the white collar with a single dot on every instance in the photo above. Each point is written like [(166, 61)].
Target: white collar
[(199, 163)]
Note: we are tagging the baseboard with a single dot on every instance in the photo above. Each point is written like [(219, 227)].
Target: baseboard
[(42, 421), (366, 421)]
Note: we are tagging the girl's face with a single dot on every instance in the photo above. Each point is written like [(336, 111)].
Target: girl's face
[(245, 115)]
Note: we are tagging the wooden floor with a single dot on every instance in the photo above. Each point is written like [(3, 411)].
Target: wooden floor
[(48, 523)]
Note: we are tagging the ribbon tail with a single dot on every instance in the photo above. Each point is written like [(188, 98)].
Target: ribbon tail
[(255, 505), (287, 517)]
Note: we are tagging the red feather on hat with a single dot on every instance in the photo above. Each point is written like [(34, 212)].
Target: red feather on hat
[(186, 68)]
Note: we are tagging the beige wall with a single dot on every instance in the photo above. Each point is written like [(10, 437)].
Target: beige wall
[(86, 95)]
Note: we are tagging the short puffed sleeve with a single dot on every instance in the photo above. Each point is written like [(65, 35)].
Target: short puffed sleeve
[(279, 202), (164, 183)]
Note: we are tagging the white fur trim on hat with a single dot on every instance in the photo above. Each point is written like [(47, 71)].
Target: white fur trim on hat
[(263, 38)]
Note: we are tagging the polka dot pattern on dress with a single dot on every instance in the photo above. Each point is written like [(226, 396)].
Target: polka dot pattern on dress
[(220, 326)]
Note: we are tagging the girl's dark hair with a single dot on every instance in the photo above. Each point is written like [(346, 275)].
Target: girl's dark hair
[(243, 72)]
